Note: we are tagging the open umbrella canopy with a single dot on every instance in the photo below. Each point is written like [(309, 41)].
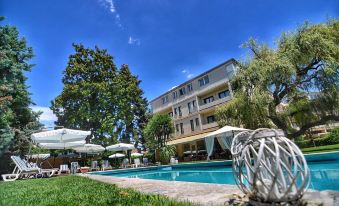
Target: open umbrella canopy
[(60, 136), (66, 145), (136, 154), (120, 147), (89, 148), (38, 156), (117, 155), (226, 130)]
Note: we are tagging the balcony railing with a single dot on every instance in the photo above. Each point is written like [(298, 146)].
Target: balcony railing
[(209, 125), (214, 103)]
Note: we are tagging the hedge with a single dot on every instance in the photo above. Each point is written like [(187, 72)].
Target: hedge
[(328, 139)]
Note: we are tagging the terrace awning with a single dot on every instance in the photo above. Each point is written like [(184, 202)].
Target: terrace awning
[(188, 139), (224, 136)]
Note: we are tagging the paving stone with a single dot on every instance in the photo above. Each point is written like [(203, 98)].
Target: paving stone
[(203, 193)]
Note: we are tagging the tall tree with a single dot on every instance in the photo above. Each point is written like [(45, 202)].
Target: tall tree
[(158, 131), (17, 120), (88, 99), (132, 107), (272, 87), (100, 98)]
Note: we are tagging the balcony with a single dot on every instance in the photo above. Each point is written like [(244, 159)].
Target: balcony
[(209, 125), (215, 103)]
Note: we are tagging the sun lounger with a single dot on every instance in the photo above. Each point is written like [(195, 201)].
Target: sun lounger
[(106, 165), (24, 170), (137, 163), (94, 166), (125, 163), (64, 169)]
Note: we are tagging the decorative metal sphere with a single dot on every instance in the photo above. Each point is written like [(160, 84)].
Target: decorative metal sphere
[(269, 167)]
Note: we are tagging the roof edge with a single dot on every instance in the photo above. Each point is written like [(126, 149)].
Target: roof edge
[(232, 60)]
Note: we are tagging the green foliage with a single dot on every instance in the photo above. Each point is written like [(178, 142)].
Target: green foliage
[(132, 107), (271, 86), (167, 152), (17, 120), (326, 148), (75, 190), (158, 131), (334, 134), (100, 98), (39, 150), (327, 139), (150, 155)]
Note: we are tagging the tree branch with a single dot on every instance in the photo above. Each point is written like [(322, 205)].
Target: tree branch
[(304, 128)]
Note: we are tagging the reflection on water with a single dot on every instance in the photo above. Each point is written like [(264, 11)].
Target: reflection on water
[(324, 175)]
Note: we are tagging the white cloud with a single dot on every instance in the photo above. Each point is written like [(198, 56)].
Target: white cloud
[(189, 76), (132, 40), (187, 73), (109, 4), (47, 114), (173, 87)]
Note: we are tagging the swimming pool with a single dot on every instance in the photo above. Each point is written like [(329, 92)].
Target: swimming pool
[(324, 172)]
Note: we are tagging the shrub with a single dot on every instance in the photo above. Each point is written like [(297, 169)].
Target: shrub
[(166, 153), (328, 139)]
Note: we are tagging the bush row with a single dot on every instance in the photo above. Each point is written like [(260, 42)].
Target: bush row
[(328, 139)]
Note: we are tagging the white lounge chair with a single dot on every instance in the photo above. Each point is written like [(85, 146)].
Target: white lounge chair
[(94, 166), (137, 163), (125, 163), (24, 170), (64, 169), (106, 165)]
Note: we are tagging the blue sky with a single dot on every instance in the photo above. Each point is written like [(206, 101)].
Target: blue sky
[(165, 42)]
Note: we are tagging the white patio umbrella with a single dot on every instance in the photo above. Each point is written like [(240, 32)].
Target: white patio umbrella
[(89, 148), (224, 136), (117, 155), (60, 145), (136, 154), (120, 147), (60, 136), (38, 156)]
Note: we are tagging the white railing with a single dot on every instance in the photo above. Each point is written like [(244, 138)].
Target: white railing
[(210, 125), (214, 103)]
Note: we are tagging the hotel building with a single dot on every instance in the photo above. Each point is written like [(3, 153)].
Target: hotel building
[(192, 106)]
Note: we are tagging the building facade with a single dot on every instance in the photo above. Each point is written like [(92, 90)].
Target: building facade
[(192, 106)]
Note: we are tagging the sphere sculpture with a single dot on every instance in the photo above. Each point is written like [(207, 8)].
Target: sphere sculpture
[(269, 167)]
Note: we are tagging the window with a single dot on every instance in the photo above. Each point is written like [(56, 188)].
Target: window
[(223, 94), (203, 81), (196, 122), (189, 107), (175, 94), (170, 114), (177, 127), (179, 110), (165, 100), (208, 99), (175, 111), (192, 125), (182, 91), (189, 88), (210, 119), (193, 104), (182, 128)]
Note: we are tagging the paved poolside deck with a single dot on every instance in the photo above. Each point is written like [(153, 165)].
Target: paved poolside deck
[(202, 193)]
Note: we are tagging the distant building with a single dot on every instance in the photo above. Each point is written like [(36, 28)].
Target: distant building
[(192, 105)]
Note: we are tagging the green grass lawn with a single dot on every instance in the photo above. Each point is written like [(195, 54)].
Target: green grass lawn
[(327, 148), (75, 190)]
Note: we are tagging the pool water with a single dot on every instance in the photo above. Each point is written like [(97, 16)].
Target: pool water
[(324, 173)]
